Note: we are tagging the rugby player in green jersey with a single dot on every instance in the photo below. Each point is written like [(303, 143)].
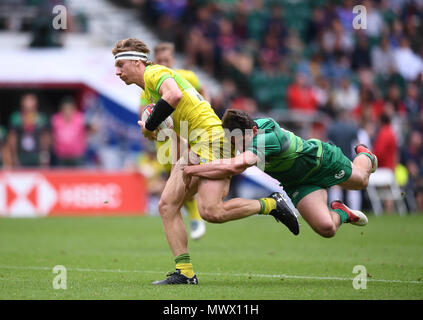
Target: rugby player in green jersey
[(305, 168)]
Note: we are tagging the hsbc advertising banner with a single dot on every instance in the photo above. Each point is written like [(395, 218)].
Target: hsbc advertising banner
[(71, 193)]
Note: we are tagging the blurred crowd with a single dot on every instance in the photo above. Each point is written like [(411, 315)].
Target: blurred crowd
[(305, 57), (35, 16), (279, 58), (34, 140)]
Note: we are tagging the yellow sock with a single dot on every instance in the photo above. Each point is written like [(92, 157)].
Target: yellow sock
[(186, 269), (267, 205), (191, 206)]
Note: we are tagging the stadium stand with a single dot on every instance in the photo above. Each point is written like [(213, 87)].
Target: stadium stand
[(271, 57), (265, 46)]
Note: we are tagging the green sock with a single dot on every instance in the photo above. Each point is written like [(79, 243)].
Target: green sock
[(267, 205), (183, 258), (342, 214)]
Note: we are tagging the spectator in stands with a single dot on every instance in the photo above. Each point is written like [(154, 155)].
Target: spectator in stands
[(227, 49), (337, 68), (375, 24), (322, 93), (316, 25), (270, 53), (300, 95), (2, 144), (69, 135), (274, 24), (360, 58), (412, 101), (394, 97), (345, 14), (382, 58), (346, 96), (408, 64), (385, 144), (413, 28), (336, 39), (386, 149), (240, 22), (312, 66), (246, 104), (201, 38), (397, 33), (343, 133), (412, 158), (293, 47), (29, 130), (8, 154)]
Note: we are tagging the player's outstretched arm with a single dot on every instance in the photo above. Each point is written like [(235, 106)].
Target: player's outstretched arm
[(223, 168)]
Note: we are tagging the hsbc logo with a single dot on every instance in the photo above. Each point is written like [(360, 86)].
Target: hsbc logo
[(68, 193), (26, 195)]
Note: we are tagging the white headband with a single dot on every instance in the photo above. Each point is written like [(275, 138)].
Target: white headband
[(131, 55)]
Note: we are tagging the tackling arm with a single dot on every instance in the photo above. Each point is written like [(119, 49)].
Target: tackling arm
[(222, 168)]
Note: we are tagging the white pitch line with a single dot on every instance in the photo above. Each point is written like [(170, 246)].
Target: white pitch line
[(258, 275)]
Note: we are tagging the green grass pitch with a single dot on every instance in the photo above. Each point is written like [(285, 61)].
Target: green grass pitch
[(255, 258)]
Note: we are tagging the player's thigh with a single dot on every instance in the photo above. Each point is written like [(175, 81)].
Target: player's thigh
[(314, 209)]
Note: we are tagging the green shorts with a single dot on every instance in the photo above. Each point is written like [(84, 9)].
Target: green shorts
[(334, 169)]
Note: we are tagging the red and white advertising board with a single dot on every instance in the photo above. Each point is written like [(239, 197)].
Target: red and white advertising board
[(71, 193)]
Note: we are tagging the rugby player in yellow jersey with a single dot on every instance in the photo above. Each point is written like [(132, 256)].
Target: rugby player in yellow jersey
[(196, 122), (164, 55)]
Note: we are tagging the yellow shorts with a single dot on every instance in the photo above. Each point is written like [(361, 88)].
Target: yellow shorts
[(213, 147), (208, 146)]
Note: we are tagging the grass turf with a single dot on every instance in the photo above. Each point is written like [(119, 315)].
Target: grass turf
[(254, 258)]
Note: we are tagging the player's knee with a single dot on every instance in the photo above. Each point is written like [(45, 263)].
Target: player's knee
[(327, 229), (211, 213), (165, 208), (364, 182)]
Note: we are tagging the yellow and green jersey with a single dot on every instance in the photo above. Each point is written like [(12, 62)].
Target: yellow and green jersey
[(192, 111), (187, 74)]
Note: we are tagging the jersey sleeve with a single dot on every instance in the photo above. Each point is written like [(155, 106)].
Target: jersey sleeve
[(143, 99), (191, 77), (266, 143), (154, 77)]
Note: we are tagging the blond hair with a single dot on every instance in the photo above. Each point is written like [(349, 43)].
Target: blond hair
[(131, 44)]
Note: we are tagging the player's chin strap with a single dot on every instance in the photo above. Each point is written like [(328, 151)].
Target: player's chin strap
[(131, 55), (160, 112)]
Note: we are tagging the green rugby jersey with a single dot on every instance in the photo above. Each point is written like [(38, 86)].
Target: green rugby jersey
[(287, 157)]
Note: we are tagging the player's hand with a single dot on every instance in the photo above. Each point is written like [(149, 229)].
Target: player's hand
[(186, 176), (150, 135)]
